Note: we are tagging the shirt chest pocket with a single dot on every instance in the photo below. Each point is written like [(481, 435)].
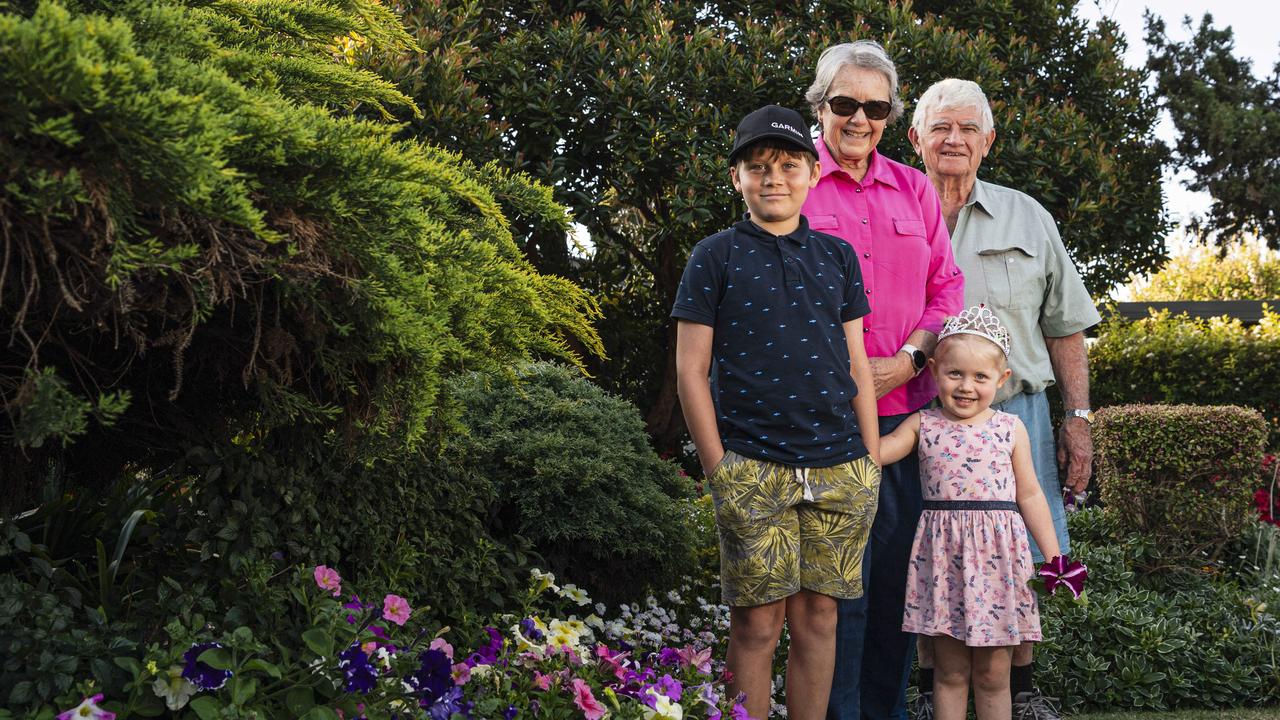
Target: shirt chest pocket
[(913, 228), (1013, 277), (829, 224)]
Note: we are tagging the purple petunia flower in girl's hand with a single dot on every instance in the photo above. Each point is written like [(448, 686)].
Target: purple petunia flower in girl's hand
[(1061, 571)]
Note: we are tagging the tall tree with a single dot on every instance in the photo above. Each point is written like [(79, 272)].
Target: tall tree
[(1228, 125), (626, 108)]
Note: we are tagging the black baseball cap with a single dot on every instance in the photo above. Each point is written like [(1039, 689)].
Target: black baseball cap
[(772, 121)]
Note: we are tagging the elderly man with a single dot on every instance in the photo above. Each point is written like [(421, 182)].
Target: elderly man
[(1013, 260)]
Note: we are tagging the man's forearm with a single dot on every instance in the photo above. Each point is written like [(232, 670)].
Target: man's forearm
[(1070, 368)]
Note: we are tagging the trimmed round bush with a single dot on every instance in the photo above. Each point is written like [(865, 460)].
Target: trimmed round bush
[(576, 476), (1183, 474)]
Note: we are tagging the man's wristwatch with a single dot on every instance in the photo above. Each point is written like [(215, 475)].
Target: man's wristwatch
[(917, 356), (1083, 413)]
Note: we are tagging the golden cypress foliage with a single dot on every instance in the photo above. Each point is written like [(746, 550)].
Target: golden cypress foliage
[(204, 236)]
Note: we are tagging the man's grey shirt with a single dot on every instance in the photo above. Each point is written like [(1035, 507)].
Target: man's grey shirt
[(1012, 257)]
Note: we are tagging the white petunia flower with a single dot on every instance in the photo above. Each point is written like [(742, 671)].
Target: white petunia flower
[(175, 689)]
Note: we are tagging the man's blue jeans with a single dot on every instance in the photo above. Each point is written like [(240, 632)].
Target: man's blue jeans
[(1034, 411), (870, 627)]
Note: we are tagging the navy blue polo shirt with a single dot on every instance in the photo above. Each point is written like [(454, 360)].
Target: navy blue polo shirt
[(780, 363)]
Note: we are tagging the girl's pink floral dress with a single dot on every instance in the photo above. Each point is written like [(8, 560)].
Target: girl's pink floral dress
[(971, 561)]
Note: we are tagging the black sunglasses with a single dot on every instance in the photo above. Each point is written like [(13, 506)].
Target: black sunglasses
[(847, 106)]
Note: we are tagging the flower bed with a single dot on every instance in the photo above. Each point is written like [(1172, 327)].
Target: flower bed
[(559, 658)]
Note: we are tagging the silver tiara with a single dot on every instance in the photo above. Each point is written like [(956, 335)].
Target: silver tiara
[(978, 320)]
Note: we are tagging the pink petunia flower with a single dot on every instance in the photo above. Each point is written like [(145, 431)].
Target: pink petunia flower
[(87, 710), (396, 609), (443, 646), (327, 578), (586, 702), (542, 682), (699, 660), (461, 674)]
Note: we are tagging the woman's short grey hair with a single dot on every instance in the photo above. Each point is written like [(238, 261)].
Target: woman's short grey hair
[(861, 54), (951, 94)]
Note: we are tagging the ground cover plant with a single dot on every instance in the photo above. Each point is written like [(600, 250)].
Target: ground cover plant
[(1161, 631)]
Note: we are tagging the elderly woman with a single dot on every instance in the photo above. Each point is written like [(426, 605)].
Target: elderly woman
[(1014, 261), (891, 216)]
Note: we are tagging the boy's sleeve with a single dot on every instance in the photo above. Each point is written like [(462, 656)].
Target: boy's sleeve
[(701, 286), (855, 303)]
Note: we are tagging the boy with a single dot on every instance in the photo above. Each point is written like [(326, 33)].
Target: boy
[(787, 441)]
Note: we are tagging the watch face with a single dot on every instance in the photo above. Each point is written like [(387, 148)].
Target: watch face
[(918, 360)]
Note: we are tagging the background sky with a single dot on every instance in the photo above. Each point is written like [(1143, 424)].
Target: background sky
[(1254, 24)]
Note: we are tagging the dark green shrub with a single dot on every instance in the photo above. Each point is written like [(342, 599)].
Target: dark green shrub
[(1176, 359), (575, 475), (1183, 474), (1157, 641), (418, 525), (46, 646)]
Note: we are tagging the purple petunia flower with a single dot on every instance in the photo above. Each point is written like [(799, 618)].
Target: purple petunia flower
[(669, 686), (1064, 572), (433, 677), (510, 713), (529, 629), (448, 704), (201, 674), (359, 673), (668, 656), (487, 654)]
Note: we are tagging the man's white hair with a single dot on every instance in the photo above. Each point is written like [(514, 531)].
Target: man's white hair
[(951, 94)]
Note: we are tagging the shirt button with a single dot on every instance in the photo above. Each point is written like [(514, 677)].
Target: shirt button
[(866, 255), (857, 190), (866, 330), (864, 221), (868, 291)]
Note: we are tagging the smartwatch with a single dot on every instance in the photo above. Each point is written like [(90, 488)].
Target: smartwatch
[(917, 356), (1083, 413)]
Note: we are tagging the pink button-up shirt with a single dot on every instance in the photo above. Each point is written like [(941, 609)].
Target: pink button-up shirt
[(893, 219)]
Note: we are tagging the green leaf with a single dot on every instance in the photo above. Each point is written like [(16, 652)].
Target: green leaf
[(319, 640), (299, 700), (129, 665), (21, 693), (262, 666), (150, 706), (320, 712), (207, 707), (242, 689), (216, 658)]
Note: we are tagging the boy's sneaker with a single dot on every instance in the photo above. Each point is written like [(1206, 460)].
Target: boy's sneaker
[(921, 708), (1034, 706)]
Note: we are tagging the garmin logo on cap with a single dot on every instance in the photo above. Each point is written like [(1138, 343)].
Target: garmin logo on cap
[(781, 126)]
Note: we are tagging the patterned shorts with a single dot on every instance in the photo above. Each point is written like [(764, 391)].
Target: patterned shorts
[(783, 529)]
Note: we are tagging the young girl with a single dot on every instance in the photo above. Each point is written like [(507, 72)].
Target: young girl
[(967, 582)]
